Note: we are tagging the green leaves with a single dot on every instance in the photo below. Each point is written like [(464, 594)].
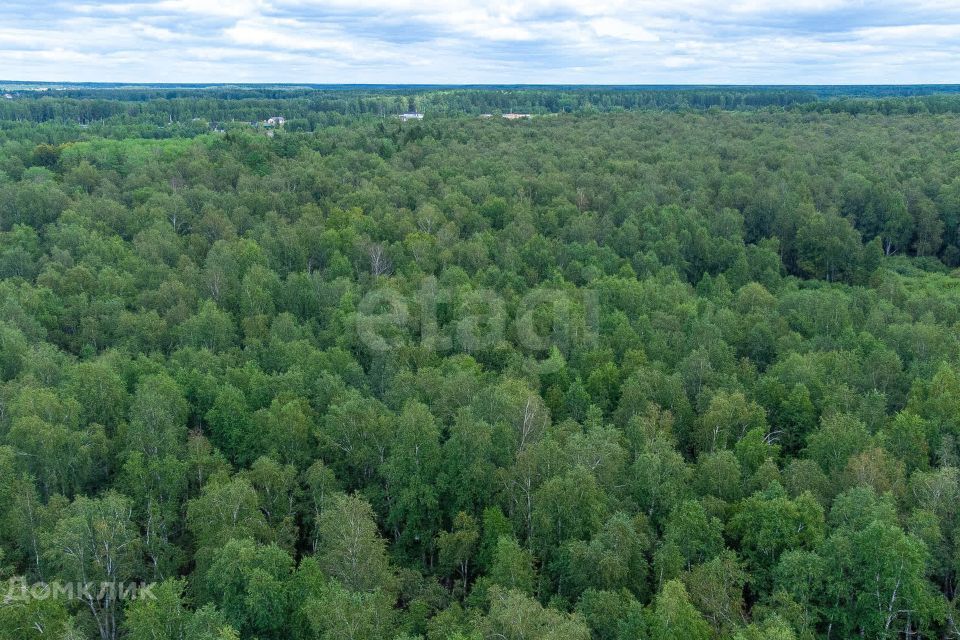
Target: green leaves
[(768, 523), (167, 616), (227, 509), (512, 566), (351, 550), (97, 543), (674, 616), (875, 576), (248, 582), (615, 558), (516, 617), (725, 404)]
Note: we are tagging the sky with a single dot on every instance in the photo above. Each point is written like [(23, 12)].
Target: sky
[(460, 42)]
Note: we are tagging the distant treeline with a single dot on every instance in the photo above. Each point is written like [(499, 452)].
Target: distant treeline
[(311, 107)]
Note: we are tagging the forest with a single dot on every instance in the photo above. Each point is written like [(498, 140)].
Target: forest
[(676, 363)]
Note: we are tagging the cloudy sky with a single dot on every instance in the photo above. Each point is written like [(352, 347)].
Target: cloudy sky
[(460, 42)]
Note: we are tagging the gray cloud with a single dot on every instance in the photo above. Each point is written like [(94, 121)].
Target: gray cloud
[(456, 41)]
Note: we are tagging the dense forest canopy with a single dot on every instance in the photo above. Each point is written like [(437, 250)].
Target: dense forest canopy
[(660, 363)]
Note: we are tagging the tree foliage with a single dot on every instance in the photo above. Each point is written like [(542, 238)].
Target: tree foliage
[(654, 363)]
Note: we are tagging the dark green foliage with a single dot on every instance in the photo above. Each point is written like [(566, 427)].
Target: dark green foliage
[(674, 363)]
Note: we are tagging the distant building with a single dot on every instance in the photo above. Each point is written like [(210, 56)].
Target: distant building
[(276, 121), (486, 115), (8, 96), (516, 116), (413, 115)]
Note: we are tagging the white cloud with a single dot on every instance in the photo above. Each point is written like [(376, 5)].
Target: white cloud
[(478, 23), (219, 8), (913, 32), (622, 30)]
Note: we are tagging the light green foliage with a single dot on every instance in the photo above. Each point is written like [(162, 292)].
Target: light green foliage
[(458, 547), (514, 616), (692, 534), (96, 542), (613, 559), (768, 523), (653, 363), (512, 566), (674, 617), (727, 419), (876, 577), (165, 616), (227, 509), (248, 582), (410, 472), (611, 614), (339, 614), (36, 620), (350, 549), (568, 507)]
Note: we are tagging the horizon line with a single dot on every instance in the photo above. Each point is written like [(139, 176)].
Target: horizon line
[(112, 83)]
